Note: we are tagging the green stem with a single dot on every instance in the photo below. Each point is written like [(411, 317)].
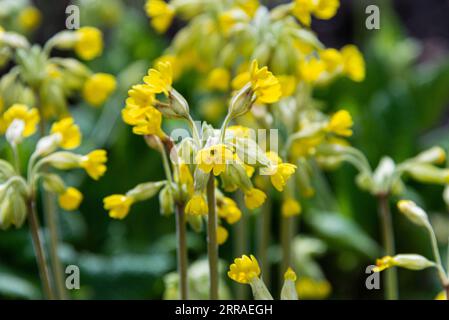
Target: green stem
[(51, 218), (390, 281), (39, 249), (212, 246), (182, 251), (264, 240), (436, 254), (241, 244), (286, 240)]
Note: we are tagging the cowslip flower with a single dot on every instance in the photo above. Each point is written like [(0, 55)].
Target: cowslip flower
[(94, 163), (161, 14), (290, 208), (322, 9), (311, 70), (140, 95), (89, 43), (341, 123), (150, 124), (20, 112), (288, 291), (333, 60), (218, 79), (264, 84), (70, 199), (214, 158), (254, 198), (197, 206), (118, 205), (353, 63), (222, 235), (244, 269), (280, 172), (69, 133), (407, 261), (98, 88), (160, 79), (228, 210)]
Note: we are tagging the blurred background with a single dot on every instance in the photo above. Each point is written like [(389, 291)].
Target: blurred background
[(400, 109)]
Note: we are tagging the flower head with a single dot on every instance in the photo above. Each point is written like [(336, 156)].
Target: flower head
[(94, 163), (148, 123), (312, 69), (290, 274), (384, 263), (214, 158), (254, 198), (280, 172), (354, 64), (228, 210), (70, 199), (218, 79), (160, 79), (222, 235), (244, 269), (118, 205), (197, 206), (69, 132), (341, 123), (89, 44), (290, 208), (98, 88), (264, 84), (161, 14), (20, 112)]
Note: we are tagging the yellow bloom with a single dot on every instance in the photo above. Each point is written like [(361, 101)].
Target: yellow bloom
[(244, 269), (341, 123), (326, 9), (333, 60), (264, 84), (29, 18), (89, 44), (161, 14), (311, 70), (288, 85), (140, 100), (306, 146), (228, 210), (281, 171), (384, 263), (197, 206), (290, 275), (249, 6), (94, 163), (322, 9), (118, 205), (70, 134), (185, 177), (160, 79), (290, 208), (30, 118), (149, 124), (177, 64), (309, 288), (219, 79), (441, 296), (98, 88), (70, 199), (214, 158), (222, 235), (302, 10), (254, 198), (354, 64)]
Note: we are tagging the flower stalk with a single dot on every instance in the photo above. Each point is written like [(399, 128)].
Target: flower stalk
[(212, 246), (182, 251)]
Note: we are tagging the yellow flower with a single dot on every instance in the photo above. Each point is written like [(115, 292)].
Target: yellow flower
[(70, 135), (244, 269), (94, 163), (185, 177), (311, 70), (290, 208), (219, 79), (280, 172), (222, 235), (306, 146), (384, 263), (322, 9), (29, 18), (441, 296), (341, 123), (177, 64), (149, 124), (228, 210), (264, 84), (89, 44), (249, 6), (30, 118), (161, 14), (309, 288), (326, 9), (290, 275), (160, 79), (140, 100), (288, 85), (254, 198), (70, 199), (214, 158), (98, 88), (333, 60), (197, 206), (118, 205), (353, 63), (302, 10)]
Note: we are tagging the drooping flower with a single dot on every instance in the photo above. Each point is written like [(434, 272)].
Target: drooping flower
[(333, 60), (118, 205), (89, 44), (161, 14), (20, 112), (290, 208), (94, 163), (264, 84), (214, 158), (280, 171), (254, 198), (228, 210), (197, 205), (311, 70), (353, 62), (159, 80), (222, 235), (70, 199), (326, 9), (98, 88), (69, 132), (322, 9), (244, 269), (341, 123), (147, 124)]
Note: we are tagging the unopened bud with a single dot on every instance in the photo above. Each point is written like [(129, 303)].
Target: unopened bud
[(166, 201), (145, 191), (413, 212), (428, 173), (242, 102), (63, 160), (53, 183), (434, 155), (47, 144)]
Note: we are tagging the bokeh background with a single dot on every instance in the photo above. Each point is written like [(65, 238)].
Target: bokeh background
[(400, 109)]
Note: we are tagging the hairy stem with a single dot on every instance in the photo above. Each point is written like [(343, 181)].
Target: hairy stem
[(264, 240), (212, 246), (182, 251), (391, 280)]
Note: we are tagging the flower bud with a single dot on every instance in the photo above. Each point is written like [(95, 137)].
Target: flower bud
[(12, 209), (241, 102), (14, 133), (63, 160), (413, 212), (434, 155), (288, 291), (178, 104), (53, 183), (412, 261), (47, 145), (166, 201), (427, 173), (145, 191), (6, 169), (195, 222)]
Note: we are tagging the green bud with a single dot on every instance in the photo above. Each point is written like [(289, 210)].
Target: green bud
[(178, 105), (13, 209), (413, 212), (241, 102), (145, 191), (427, 173), (166, 201), (47, 145), (412, 261), (434, 155), (195, 222), (53, 183), (63, 160)]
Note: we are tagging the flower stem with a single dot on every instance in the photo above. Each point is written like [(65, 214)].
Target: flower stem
[(39, 249), (212, 247), (182, 251), (391, 281), (436, 253), (286, 239), (264, 240), (240, 243)]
